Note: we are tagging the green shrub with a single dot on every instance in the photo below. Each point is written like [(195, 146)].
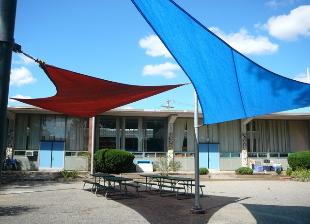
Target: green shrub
[(244, 171), (113, 161), (289, 171), (203, 171), (299, 160), (301, 175), (67, 174), (278, 171)]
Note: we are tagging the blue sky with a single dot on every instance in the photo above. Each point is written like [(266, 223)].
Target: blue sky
[(110, 40)]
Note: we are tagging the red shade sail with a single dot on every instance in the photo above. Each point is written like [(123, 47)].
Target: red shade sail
[(85, 96)]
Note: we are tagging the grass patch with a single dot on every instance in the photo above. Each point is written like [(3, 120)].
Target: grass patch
[(302, 175), (66, 174)]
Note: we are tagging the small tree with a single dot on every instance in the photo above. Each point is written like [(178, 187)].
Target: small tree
[(165, 167)]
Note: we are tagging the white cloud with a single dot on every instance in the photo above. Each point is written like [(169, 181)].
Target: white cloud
[(23, 60), (154, 47), (166, 70), (11, 101), (246, 43), (21, 76), (278, 3), (291, 26), (302, 77)]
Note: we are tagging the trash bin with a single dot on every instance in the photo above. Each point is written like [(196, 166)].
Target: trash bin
[(144, 166)]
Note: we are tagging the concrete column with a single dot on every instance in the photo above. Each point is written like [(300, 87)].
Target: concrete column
[(123, 132), (11, 131), (90, 135), (140, 137), (244, 142), (91, 142), (170, 136), (118, 134)]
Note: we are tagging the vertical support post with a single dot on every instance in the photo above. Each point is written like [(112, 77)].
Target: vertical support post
[(170, 138), (92, 145), (244, 142), (197, 206), (7, 24), (140, 135), (244, 145)]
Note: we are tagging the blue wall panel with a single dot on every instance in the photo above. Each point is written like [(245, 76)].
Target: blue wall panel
[(209, 156), (58, 155), (51, 155), (45, 155)]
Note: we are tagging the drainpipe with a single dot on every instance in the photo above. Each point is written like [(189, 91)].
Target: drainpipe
[(7, 23)]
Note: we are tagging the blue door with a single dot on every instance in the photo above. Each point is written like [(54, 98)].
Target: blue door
[(58, 155), (209, 156), (46, 155), (51, 155)]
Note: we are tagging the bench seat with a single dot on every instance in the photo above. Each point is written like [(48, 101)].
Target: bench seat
[(193, 185), (132, 184), (172, 187), (93, 183)]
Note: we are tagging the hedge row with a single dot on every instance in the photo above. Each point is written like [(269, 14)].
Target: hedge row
[(299, 160), (113, 161)]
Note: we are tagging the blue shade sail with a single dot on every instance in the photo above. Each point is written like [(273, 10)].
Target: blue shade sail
[(229, 85)]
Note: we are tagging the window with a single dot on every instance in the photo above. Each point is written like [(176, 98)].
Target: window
[(268, 136), (27, 135), (107, 133), (131, 134), (76, 134), (184, 145), (53, 128), (154, 135)]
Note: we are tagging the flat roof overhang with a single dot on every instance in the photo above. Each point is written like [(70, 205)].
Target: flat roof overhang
[(159, 113)]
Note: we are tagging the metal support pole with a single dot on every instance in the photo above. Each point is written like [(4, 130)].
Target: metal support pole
[(197, 207), (92, 145), (7, 23)]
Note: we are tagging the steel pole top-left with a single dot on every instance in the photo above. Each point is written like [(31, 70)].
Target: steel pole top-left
[(7, 24)]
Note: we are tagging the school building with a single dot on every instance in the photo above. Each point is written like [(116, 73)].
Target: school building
[(44, 140)]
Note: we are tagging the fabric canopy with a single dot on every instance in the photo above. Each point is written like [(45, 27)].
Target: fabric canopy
[(85, 96), (228, 84)]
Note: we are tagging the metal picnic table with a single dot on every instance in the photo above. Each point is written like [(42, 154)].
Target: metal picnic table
[(101, 175), (110, 178), (173, 180)]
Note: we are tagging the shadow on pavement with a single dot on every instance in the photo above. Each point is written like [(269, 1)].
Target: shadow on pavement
[(15, 210), (157, 209), (279, 214)]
